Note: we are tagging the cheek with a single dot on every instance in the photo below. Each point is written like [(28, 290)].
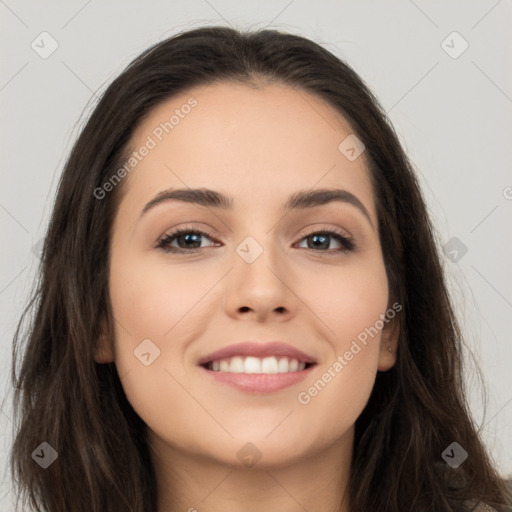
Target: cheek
[(350, 306), (153, 310), (349, 302), (149, 300), (151, 303)]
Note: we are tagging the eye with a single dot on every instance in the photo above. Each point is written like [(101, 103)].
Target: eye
[(322, 239), (188, 240)]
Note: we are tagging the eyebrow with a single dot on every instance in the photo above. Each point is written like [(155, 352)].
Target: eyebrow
[(299, 200)]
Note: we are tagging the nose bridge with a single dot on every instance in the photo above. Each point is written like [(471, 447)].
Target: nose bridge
[(256, 254), (257, 280), (259, 243)]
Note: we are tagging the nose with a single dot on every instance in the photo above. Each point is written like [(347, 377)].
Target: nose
[(259, 284)]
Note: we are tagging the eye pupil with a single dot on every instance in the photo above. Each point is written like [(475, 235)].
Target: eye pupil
[(187, 238)]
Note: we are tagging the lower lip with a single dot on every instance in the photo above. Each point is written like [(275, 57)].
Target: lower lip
[(259, 382)]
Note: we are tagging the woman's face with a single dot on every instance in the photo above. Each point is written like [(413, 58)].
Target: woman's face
[(262, 273)]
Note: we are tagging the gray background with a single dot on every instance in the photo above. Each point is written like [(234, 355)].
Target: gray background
[(453, 116)]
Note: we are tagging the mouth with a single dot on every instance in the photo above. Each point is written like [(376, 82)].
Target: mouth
[(252, 367)]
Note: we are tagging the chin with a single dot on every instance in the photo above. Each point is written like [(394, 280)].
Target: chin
[(258, 452)]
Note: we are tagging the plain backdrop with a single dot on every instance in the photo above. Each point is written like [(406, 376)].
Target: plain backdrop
[(442, 71)]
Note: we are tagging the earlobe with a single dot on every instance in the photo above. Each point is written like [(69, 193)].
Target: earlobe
[(103, 352), (388, 345)]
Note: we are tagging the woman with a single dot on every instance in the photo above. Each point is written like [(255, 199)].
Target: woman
[(241, 303)]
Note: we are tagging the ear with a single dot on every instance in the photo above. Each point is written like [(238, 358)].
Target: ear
[(389, 344), (104, 351)]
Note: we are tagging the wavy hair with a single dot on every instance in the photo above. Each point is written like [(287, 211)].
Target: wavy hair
[(77, 406)]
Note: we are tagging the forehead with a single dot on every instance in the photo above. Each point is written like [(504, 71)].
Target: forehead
[(254, 144)]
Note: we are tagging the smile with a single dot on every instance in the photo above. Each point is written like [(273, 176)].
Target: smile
[(256, 365)]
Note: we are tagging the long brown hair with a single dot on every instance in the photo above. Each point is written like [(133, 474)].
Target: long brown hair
[(64, 398)]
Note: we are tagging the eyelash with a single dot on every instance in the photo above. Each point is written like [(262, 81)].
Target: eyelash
[(163, 243)]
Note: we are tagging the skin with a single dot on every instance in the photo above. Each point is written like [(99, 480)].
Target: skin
[(258, 146)]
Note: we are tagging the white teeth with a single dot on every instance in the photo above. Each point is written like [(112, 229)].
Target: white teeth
[(267, 365), (252, 365), (284, 365), (270, 365), (236, 365)]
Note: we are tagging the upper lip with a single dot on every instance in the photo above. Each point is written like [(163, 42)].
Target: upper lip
[(257, 349)]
